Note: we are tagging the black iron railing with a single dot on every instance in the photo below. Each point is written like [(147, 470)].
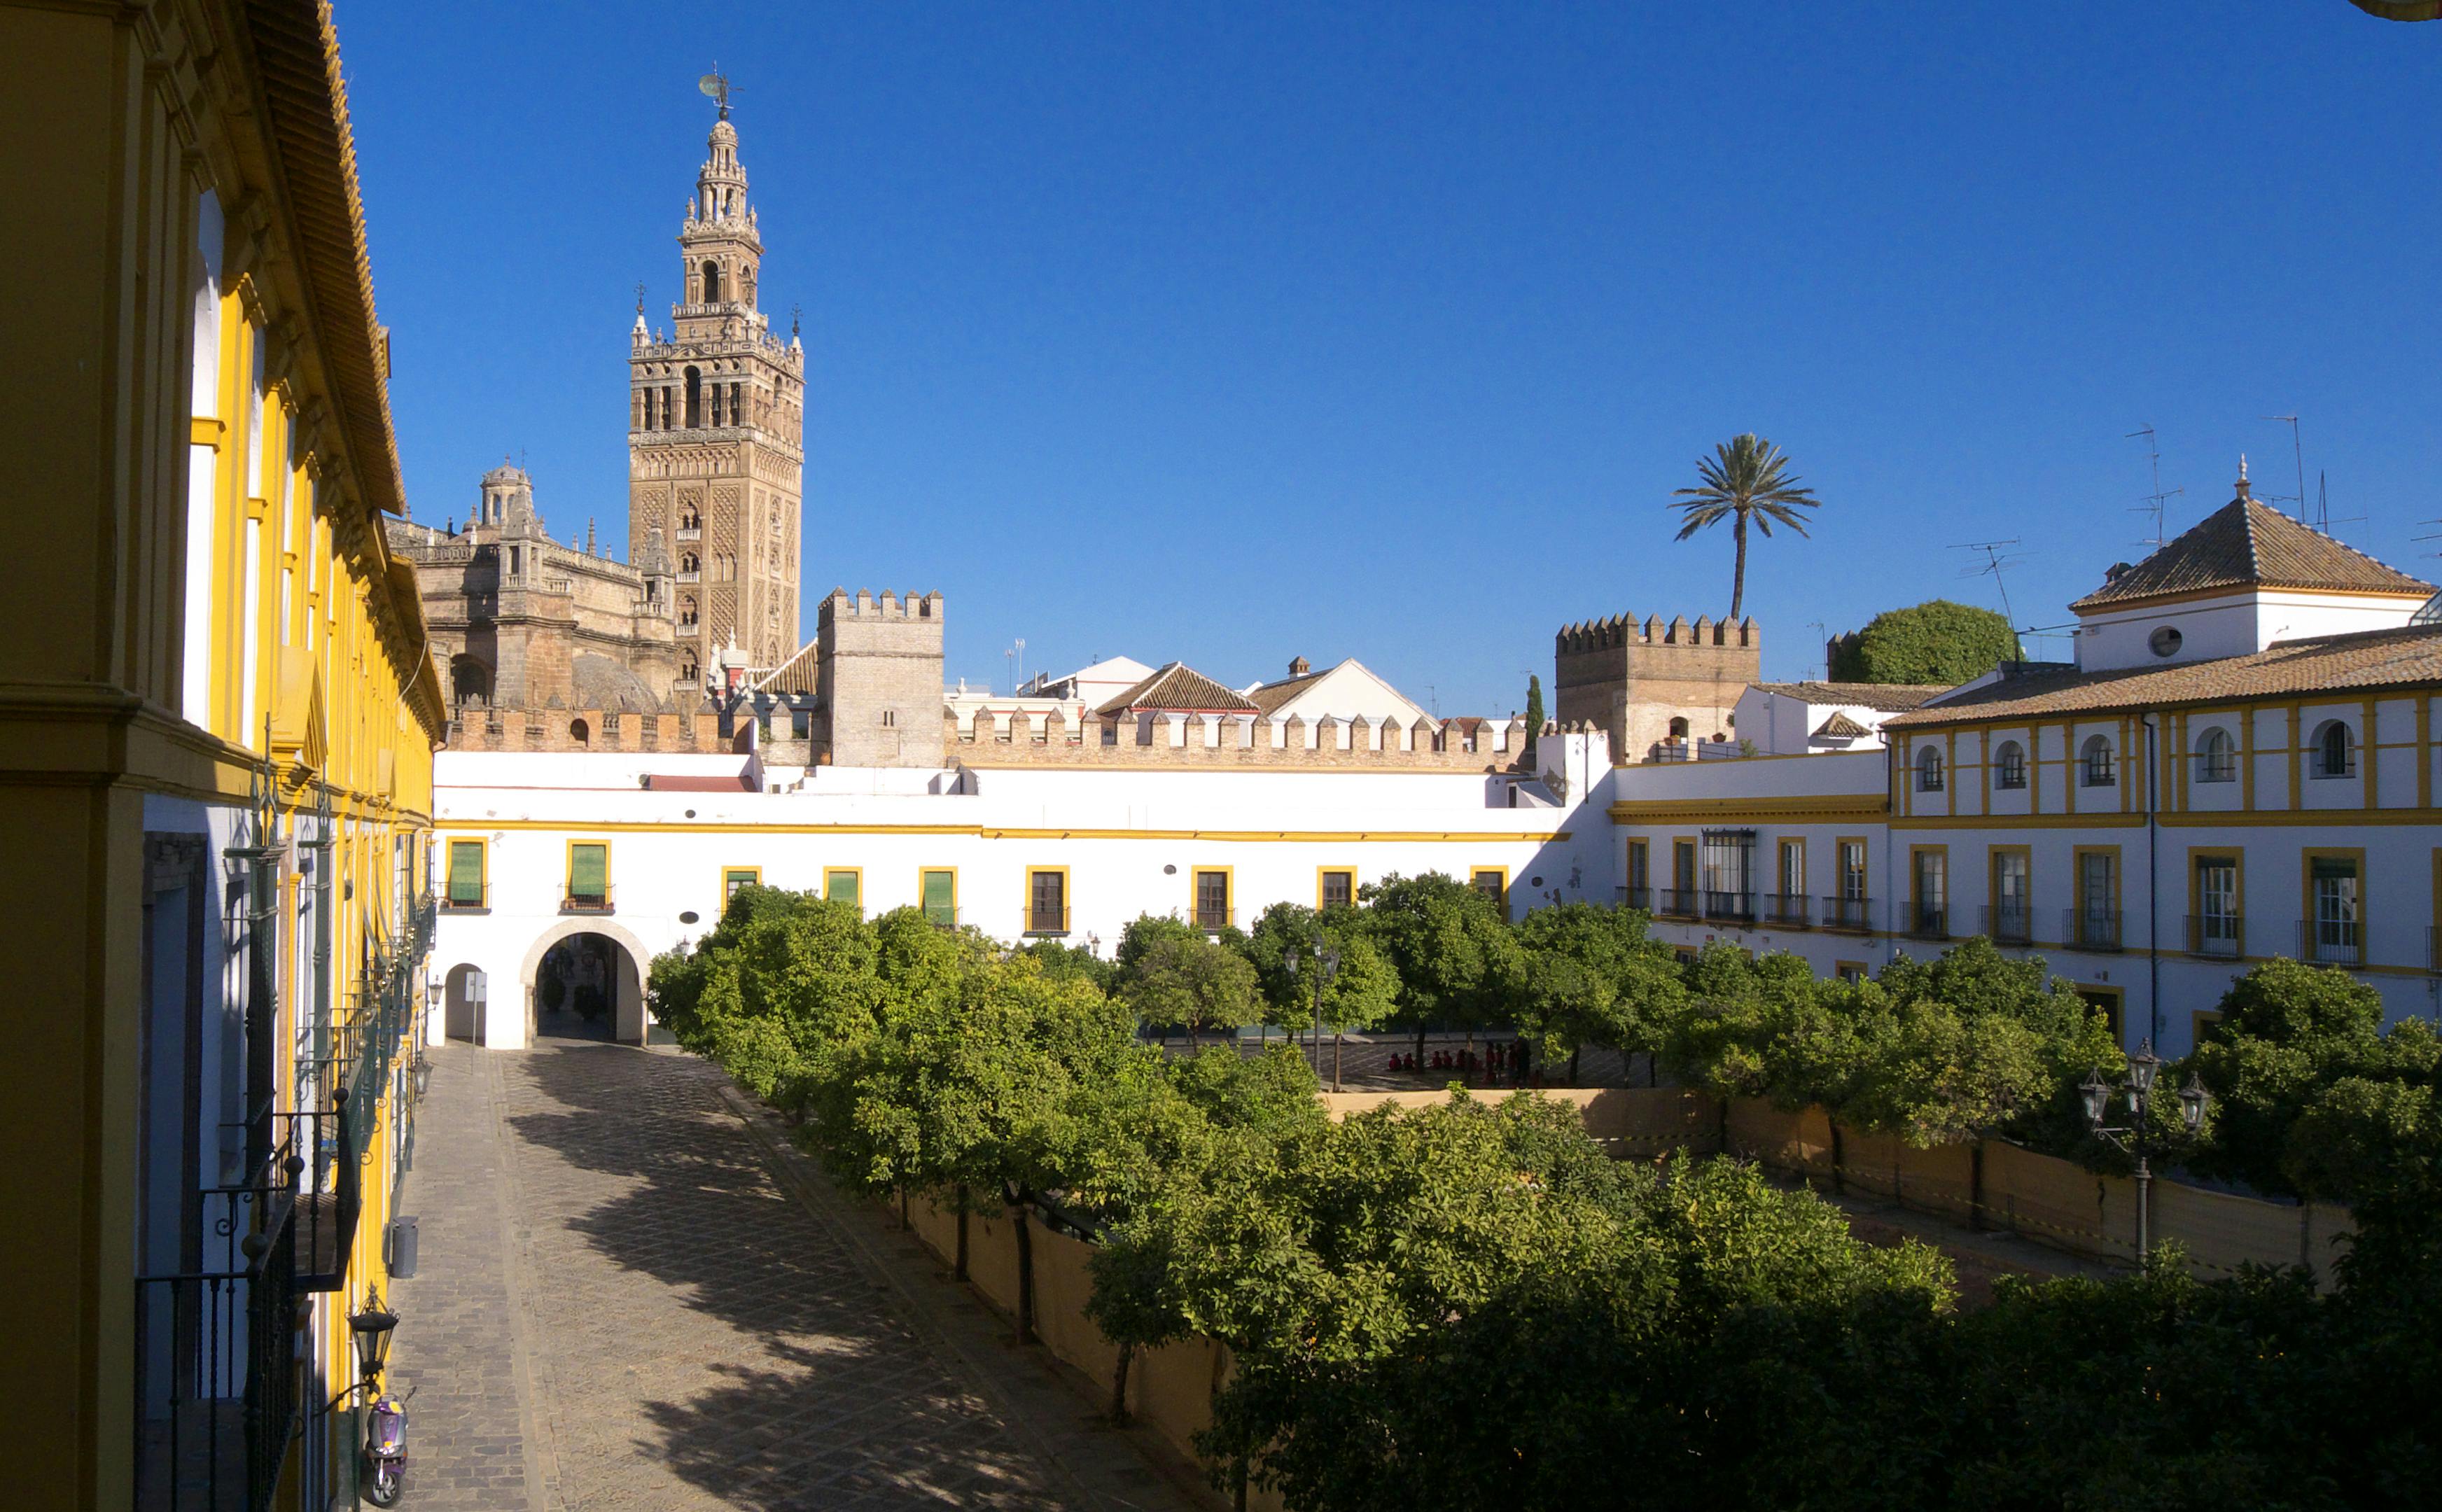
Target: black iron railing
[(1640, 898), (2092, 928), (1731, 907), (1855, 914), (2009, 924), (2331, 942), (217, 1394), (1928, 920), (2219, 935), (586, 902), (1040, 921), (1788, 910), (1676, 903)]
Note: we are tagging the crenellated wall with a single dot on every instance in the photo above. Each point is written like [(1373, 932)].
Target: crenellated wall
[(1632, 680), (1194, 741), (565, 730)]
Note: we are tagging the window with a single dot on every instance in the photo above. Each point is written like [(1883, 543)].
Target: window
[(1640, 874), (465, 874), (2334, 907), (2213, 929), (689, 563), (2094, 761), (579, 733), (1730, 873), (1047, 900), (1853, 869), (1335, 888), (2217, 756), (2013, 921), (2010, 765), (1493, 881), (2164, 641), (733, 878), (938, 886), (1212, 898), (589, 875), (687, 611), (801, 724), (711, 288), (1683, 878), (1793, 868), (1849, 971), (2096, 923), (890, 718), (1679, 728), (2105, 1001), (844, 885), (694, 398), (1929, 870), (2336, 753), (1928, 770), (688, 518)]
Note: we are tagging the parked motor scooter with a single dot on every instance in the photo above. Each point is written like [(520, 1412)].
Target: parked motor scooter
[(385, 1451)]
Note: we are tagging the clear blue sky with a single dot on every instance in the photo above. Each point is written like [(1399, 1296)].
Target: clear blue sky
[(1232, 332)]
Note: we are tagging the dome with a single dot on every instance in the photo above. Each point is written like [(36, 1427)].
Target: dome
[(604, 684)]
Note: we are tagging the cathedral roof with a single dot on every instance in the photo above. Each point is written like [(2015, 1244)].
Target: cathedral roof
[(601, 683)]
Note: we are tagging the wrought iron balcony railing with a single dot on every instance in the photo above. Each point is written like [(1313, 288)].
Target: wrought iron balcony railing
[(1677, 902), (2331, 941), (586, 902), (1638, 898), (2217, 935), (1928, 920), (2092, 928), (1730, 907), (1855, 915), (1047, 920), (1788, 910), (2009, 924)]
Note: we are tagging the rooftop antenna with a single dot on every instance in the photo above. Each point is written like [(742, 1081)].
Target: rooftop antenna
[(2323, 521), (1822, 645), (716, 84), (1015, 656), (1433, 694), (2297, 448), (2154, 501), (1995, 559)]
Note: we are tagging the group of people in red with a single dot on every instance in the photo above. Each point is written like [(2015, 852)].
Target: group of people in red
[(1512, 1061)]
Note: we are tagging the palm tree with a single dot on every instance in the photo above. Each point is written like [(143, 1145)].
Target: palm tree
[(1743, 480)]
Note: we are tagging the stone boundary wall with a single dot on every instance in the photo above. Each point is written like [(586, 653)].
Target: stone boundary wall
[(1195, 740), (696, 734)]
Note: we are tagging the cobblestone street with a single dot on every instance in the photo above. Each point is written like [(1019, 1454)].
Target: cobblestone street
[(618, 1307)]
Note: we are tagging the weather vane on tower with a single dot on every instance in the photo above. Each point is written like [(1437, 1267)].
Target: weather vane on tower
[(716, 85)]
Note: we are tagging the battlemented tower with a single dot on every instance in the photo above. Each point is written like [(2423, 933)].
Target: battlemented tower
[(716, 433)]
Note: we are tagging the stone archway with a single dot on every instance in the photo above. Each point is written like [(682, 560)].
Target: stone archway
[(464, 995), (625, 985)]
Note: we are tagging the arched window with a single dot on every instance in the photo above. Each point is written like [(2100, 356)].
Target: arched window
[(2010, 765), (686, 671), (686, 609), (711, 282), (2217, 757), (1928, 770), (2094, 761), (470, 681), (694, 398), (688, 518), (688, 562), (1678, 729), (578, 734), (2336, 752)]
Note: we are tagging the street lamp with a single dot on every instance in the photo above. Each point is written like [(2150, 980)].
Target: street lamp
[(2143, 1068), (1326, 962), (369, 1330)]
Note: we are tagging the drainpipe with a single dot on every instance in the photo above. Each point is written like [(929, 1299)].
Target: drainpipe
[(2153, 894)]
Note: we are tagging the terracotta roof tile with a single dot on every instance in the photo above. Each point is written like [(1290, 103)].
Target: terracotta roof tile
[(1270, 696), (2367, 659), (1839, 727), (795, 675), (2249, 544), (1889, 697), (1180, 689)]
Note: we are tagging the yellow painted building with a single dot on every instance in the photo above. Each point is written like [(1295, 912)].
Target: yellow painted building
[(217, 719)]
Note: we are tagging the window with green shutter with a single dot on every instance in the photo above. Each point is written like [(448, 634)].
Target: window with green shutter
[(842, 887), (941, 897), (735, 878), (589, 872), (465, 874)]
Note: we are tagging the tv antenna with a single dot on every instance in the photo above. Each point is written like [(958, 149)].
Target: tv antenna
[(1823, 644), (2323, 521), (2154, 501), (1997, 558), (716, 84), (2298, 449), (1015, 656)]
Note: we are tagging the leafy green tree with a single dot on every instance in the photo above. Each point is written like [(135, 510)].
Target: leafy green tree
[(1746, 481), (1362, 993), (1594, 977), (1141, 935), (1063, 961), (780, 976), (1193, 983), (1534, 711), (1937, 642), (1455, 956)]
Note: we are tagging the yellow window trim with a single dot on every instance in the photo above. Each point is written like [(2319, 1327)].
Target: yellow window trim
[(1500, 898), (754, 879), (483, 871), (1025, 901), (1229, 891), (568, 867), (857, 872), (1321, 872)]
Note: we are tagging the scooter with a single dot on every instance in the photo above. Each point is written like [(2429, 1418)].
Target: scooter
[(385, 1451)]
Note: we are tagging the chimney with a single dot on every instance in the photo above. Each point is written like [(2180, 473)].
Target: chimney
[(1298, 667)]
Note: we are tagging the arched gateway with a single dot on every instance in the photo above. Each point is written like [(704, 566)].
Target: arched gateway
[(567, 964)]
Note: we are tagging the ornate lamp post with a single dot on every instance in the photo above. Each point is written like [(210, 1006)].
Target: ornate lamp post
[(2143, 1068)]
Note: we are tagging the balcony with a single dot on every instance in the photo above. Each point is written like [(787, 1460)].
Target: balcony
[(1676, 903), (1047, 920), (2219, 936), (466, 903), (941, 916), (1786, 910), (1213, 920), (1730, 907), (1637, 898), (2008, 924), (690, 532), (2331, 942), (1928, 920), (586, 902), (2090, 928), (1854, 915)]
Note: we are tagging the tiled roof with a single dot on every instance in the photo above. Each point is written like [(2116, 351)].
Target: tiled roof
[(2249, 544), (1888, 697), (795, 675), (2332, 664), (1839, 727), (1270, 696), (1180, 689)]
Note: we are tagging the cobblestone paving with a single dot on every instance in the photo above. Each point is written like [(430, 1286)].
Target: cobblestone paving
[(691, 1336)]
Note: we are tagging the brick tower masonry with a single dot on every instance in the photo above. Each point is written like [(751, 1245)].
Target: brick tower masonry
[(878, 679), (1654, 688), (716, 433)]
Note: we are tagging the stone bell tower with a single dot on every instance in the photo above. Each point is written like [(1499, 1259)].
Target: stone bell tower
[(715, 432)]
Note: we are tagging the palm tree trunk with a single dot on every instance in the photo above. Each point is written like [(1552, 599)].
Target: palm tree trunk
[(1738, 575)]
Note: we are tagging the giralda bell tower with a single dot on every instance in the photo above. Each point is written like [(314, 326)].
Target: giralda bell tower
[(716, 431)]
